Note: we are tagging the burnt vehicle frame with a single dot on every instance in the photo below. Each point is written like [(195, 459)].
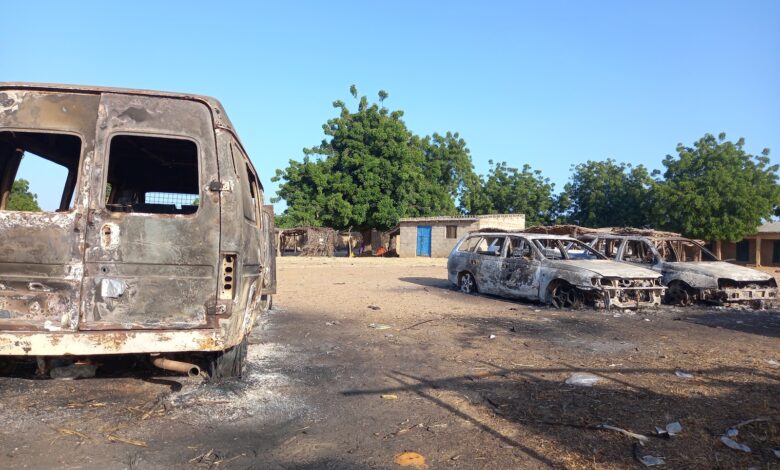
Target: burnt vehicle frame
[(552, 269), (161, 243), (690, 271)]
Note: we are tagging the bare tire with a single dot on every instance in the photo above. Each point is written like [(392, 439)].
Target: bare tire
[(229, 363), (266, 302), (678, 294), (565, 295), (467, 283)]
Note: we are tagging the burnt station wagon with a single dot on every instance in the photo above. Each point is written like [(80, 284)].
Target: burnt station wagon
[(160, 243), (553, 269), (689, 270)]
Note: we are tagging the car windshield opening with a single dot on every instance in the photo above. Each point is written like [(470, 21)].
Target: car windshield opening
[(562, 248)]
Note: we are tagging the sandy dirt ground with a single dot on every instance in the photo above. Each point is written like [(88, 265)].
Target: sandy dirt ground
[(364, 359)]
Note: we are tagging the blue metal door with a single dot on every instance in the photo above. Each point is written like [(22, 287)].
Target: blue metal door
[(423, 240)]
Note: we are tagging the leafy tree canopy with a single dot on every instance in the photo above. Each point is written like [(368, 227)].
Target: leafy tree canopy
[(508, 190), (371, 170), (608, 194), (716, 191), (21, 199)]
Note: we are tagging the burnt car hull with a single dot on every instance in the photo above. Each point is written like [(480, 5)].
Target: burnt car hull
[(689, 271), (161, 242), (563, 282)]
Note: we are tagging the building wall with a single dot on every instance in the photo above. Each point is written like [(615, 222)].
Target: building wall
[(504, 222), (729, 250), (440, 244)]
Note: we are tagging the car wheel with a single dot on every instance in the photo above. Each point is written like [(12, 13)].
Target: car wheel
[(467, 283), (565, 295), (678, 294), (229, 363)]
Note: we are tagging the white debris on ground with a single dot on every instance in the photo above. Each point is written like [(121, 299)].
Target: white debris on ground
[(264, 392)]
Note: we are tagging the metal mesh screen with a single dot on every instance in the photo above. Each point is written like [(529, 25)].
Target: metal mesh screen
[(175, 199)]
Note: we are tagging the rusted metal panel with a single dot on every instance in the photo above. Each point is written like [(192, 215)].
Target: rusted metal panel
[(41, 255), (26, 343), (167, 263)]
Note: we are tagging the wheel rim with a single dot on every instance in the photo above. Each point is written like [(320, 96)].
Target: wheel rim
[(566, 296), (466, 283)]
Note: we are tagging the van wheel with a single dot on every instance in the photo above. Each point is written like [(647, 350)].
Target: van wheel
[(266, 302), (229, 363), (467, 284), (565, 295)]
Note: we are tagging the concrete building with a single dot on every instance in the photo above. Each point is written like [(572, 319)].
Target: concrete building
[(759, 249), (436, 236)]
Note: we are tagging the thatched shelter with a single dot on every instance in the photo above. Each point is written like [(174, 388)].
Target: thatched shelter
[(307, 241)]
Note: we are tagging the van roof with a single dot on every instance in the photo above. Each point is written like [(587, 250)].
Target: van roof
[(221, 119)]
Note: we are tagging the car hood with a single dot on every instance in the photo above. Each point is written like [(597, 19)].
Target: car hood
[(606, 268), (718, 269)]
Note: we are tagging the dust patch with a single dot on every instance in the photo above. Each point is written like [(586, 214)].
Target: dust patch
[(265, 393)]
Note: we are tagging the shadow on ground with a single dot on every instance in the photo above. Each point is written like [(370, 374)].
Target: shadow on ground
[(533, 411), (765, 323)]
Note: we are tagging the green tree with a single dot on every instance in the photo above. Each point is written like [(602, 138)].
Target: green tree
[(508, 190), (607, 194), (371, 170), (716, 191), (21, 199)]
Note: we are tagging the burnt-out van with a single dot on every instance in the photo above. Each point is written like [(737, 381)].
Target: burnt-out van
[(160, 243)]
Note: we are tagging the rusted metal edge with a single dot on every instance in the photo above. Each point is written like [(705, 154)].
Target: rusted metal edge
[(103, 342)]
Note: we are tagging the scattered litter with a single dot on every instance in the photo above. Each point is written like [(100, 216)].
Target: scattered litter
[(375, 307), (684, 375), (388, 396), (132, 442), (492, 337), (617, 315), (615, 365), (777, 453), (732, 432), (671, 429), (640, 437), (77, 370), (647, 319), (332, 323), (537, 310), (733, 444), (379, 326), (583, 379), (772, 362), (410, 459), (651, 460)]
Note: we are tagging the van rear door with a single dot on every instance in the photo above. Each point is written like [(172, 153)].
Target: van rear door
[(41, 247), (153, 223)]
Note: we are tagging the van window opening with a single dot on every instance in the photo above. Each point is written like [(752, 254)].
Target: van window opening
[(152, 175), (38, 171)]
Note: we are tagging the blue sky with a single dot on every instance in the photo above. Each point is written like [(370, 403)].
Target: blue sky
[(550, 84)]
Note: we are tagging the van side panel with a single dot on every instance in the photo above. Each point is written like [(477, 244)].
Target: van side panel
[(41, 253), (152, 270)]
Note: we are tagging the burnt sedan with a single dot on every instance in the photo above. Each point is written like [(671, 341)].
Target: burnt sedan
[(689, 270), (552, 269)]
